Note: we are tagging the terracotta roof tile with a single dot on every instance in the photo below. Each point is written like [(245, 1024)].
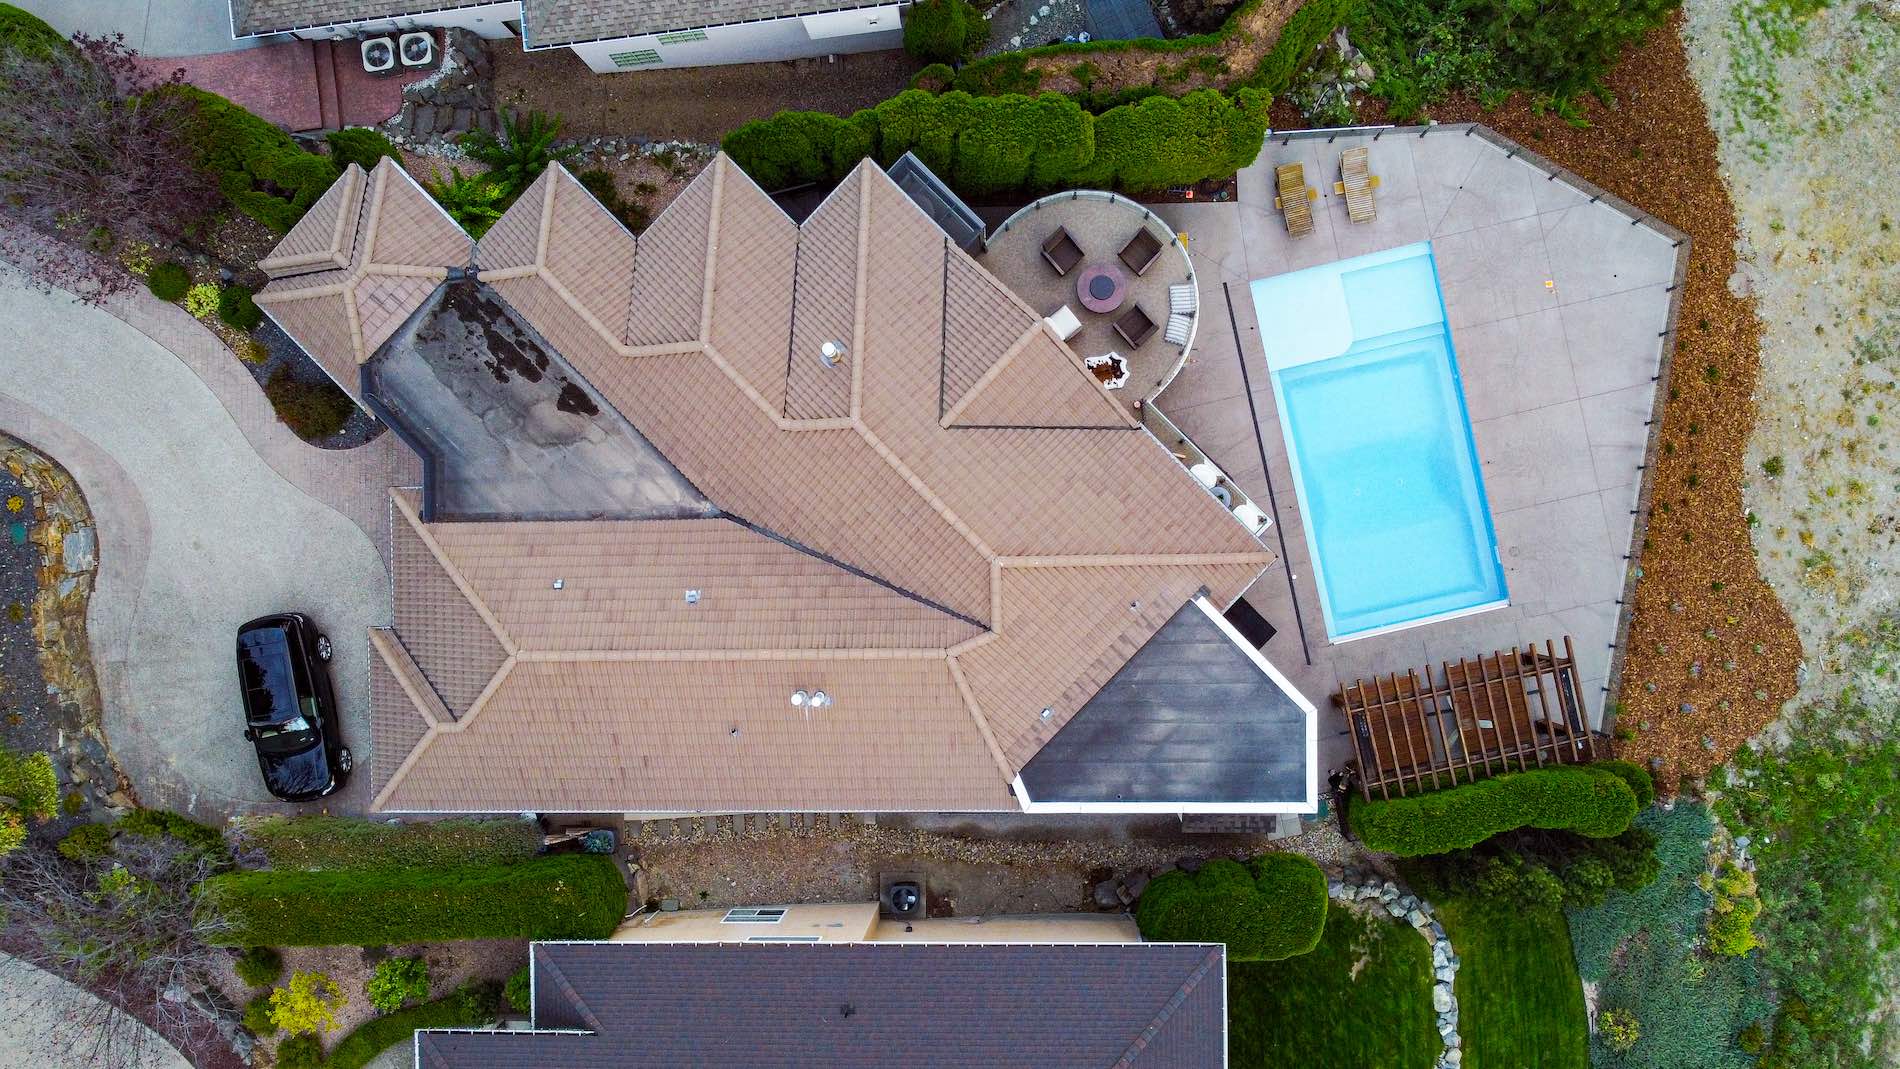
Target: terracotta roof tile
[(454, 647), (325, 237), (826, 305), (870, 540), (384, 302), (751, 291), (320, 321), (624, 589), (397, 722), (588, 252), (669, 272), (408, 228), (602, 735)]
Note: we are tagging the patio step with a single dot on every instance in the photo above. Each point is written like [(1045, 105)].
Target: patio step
[(329, 102)]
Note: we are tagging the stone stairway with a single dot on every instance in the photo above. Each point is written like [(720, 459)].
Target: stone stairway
[(323, 56)]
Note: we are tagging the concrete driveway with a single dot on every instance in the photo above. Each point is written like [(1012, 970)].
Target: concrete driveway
[(45, 1022), (197, 534), (154, 27)]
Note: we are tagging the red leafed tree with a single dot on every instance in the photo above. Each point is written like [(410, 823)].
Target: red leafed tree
[(92, 161)]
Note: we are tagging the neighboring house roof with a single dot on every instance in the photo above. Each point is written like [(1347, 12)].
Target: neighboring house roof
[(250, 18), (955, 533), (562, 22), (364, 257), (859, 1006)]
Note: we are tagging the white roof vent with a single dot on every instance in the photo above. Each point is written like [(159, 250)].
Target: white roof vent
[(560, 584), (819, 699), (800, 699), (832, 353), (692, 596)]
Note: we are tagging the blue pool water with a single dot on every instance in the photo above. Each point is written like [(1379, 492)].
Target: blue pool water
[(1379, 442)]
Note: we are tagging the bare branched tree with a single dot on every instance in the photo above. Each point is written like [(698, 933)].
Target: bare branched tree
[(92, 158), (129, 927)]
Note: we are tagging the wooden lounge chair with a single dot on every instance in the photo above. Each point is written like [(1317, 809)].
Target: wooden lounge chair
[(1356, 183), (1141, 251), (1061, 251), (1295, 199), (1135, 326)]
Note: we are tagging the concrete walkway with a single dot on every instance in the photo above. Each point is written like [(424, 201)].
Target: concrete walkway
[(170, 438), (44, 1023), (154, 27)]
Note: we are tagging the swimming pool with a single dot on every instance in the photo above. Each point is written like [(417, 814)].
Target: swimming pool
[(1374, 418)]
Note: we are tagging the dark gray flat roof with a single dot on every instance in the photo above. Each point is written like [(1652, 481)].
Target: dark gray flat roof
[(1190, 718), (860, 1006)]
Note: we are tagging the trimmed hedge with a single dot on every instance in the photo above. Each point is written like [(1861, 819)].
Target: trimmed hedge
[(944, 31), (472, 1005), (327, 842), (360, 145), (985, 145), (1588, 799), (259, 169), (567, 896), (1299, 39), (1641, 785), (1273, 907)]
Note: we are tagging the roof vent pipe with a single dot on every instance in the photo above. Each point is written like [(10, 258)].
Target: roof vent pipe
[(832, 353)]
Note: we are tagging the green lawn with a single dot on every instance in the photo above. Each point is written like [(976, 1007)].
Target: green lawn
[(1520, 1004), (1313, 1011)]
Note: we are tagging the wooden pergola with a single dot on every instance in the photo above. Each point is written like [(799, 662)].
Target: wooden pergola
[(1478, 716)]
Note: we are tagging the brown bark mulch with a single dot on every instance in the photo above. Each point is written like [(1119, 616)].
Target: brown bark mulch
[(1711, 655)]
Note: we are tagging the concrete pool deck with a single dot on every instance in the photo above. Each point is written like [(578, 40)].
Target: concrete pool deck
[(1559, 305)]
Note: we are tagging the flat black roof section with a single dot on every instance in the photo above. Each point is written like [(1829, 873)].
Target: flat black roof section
[(945, 208), (1189, 719), (859, 1006)]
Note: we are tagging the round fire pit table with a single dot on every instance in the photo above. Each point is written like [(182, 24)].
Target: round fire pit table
[(1101, 288)]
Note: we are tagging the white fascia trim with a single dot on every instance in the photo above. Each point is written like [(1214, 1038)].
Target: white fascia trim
[(1309, 805)]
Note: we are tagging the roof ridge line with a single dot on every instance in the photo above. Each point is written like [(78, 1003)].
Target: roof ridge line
[(990, 374), (547, 219), (402, 271), (1175, 1001), (824, 653), (395, 654), (1136, 560), (355, 319), (719, 165), (271, 264), (437, 730), (852, 569), (455, 574), (375, 193), (924, 491), (982, 722), (858, 298), (545, 961), (328, 289)]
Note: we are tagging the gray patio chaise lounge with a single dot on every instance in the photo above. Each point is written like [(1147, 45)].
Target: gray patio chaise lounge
[(1061, 251), (1141, 251), (1135, 326)]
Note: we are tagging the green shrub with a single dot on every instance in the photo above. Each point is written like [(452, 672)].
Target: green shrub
[(1581, 798), (1563, 47), (470, 1006), (944, 31), (1620, 1029), (252, 351), (396, 981), (519, 991), (362, 146), (307, 1004), (474, 201), (12, 831), (299, 1052), (1731, 926), (201, 300), (87, 842), (520, 153), (1642, 785), (257, 1017), (570, 896), (795, 147), (25, 33), (259, 966), (1420, 52), (238, 310), (259, 169), (1271, 908), (1164, 141), (158, 823), (29, 780), (312, 410), (935, 78), (168, 281), (326, 842)]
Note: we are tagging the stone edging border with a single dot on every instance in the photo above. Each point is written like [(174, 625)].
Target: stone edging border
[(1388, 897)]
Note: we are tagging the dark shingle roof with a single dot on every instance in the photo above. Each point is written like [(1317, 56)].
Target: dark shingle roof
[(1190, 718), (560, 22), (860, 1006)]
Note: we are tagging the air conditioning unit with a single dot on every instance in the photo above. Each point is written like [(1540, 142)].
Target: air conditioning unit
[(417, 49), (379, 54)]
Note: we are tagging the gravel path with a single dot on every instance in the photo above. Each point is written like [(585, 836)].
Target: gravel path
[(1810, 143)]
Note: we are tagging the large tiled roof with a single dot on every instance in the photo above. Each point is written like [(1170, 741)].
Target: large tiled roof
[(557, 22), (954, 532), (860, 1006), (364, 257)]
